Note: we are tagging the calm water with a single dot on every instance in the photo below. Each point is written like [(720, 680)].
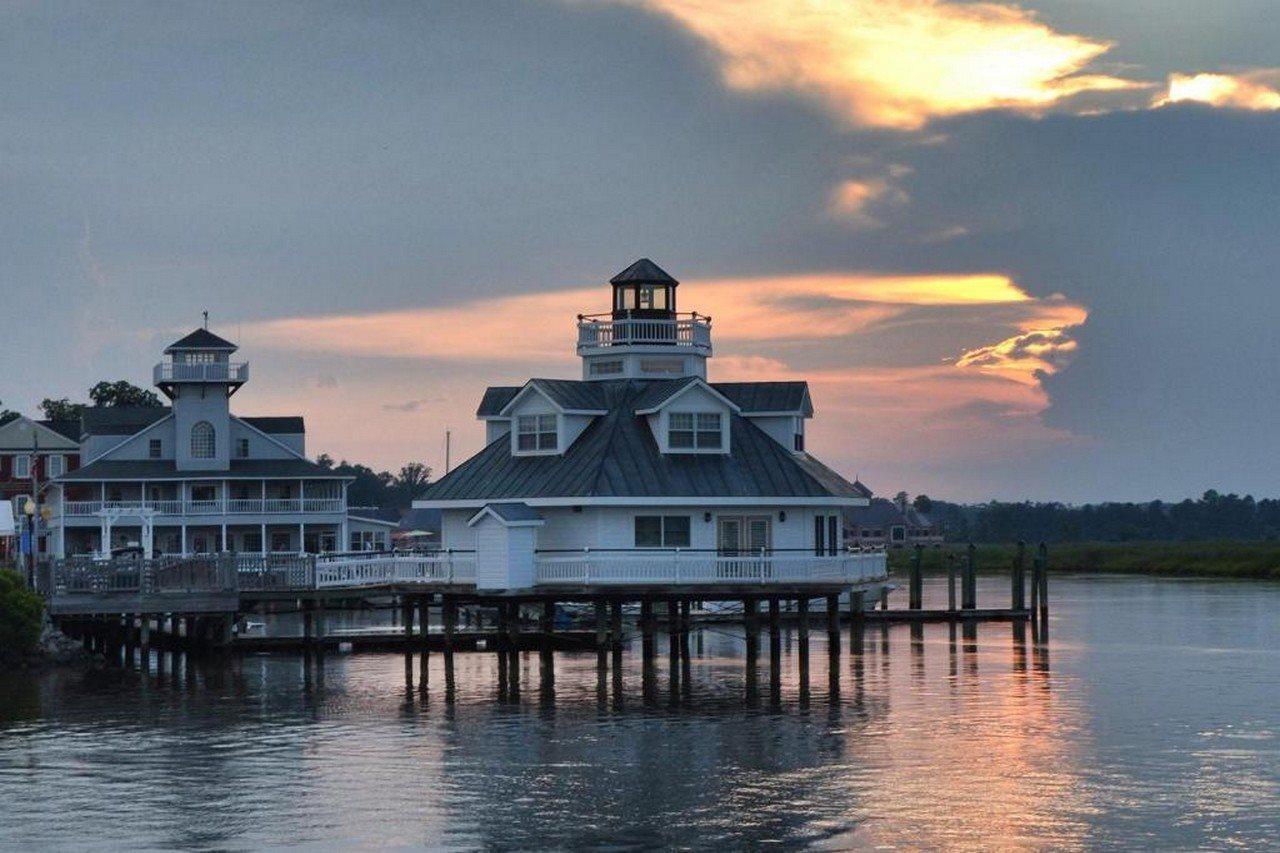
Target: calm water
[(1152, 718)]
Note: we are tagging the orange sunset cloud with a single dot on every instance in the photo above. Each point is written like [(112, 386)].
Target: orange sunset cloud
[(1255, 90)]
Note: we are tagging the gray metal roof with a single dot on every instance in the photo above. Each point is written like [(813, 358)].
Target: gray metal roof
[(120, 420), (656, 392), (643, 271), (278, 424), (495, 399), (766, 396), (66, 429), (165, 469), (202, 339), (572, 394), (882, 511), (616, 456)]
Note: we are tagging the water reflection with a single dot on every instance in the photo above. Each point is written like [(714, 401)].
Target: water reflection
[(912, 735)]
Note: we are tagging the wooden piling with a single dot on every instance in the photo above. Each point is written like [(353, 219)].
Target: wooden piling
[(951, 581), (646, 633), (751, 625), (833, 625), (615, 626), (857, 621), (424, 662), (513, 644), (450, 624), (916, 583), (970, 586), (1044, 581), (602, 610), (802, 614), (686, 625), (1018, 591)]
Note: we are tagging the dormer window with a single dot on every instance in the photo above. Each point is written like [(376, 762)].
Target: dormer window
[(695, 431), (535, 433)]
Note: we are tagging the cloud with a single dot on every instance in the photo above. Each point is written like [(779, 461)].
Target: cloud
[(409, 405), (854, 200), (896, 63), (1252, 90)]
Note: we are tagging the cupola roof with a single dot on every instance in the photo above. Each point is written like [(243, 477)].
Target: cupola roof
[(643, 271), (202, 339)]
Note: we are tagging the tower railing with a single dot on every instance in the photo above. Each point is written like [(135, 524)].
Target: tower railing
[(214, 371), (602, 331)]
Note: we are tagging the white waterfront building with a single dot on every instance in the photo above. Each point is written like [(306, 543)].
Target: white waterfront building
[(644, 471), (192, 477)]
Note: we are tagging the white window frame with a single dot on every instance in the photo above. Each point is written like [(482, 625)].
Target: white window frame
[(242, 448), (213, 441), (697, 419), (22, 466), (538, 430), (662, 531), (155, 448), (49, 473)]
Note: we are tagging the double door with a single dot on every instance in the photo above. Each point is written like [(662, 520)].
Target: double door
[(747, 540)]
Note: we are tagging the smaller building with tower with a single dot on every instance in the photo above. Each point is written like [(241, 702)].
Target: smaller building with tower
[(192, 477)]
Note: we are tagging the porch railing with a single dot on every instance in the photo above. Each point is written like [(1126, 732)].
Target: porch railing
[(376, 570), (233, 506), (197, 574), (688, 567), (167, 371)]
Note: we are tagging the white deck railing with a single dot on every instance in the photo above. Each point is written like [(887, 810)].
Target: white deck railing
[(677, 567), (167, 371), (694, 332), (238, 506), (381, 569)]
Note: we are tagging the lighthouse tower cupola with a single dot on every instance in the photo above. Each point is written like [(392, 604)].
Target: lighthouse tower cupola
[(199, 376), (644, 337)]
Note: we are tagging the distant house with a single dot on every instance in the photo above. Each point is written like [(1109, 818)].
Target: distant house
[(32, 452), (885, 523), (192, 477)]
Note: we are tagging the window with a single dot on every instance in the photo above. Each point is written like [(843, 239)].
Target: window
[(199, 358), (833, 535), (21, 466), (606, 368), (280, 542), (799, 441), (252, 540), (536, 432), (694, 431), (242, 448), (662, 365), (662, 531), (154, 448), (819, 536), (56, 465), (354, 544), (202, 441), (203, 494)]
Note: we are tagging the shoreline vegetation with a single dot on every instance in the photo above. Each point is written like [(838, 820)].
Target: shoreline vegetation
[(1256, 560)]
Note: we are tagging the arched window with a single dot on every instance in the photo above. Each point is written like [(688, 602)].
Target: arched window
[(202, 440)]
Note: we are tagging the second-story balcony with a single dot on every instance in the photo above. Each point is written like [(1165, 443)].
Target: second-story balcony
[(205, 508), (604, 330), (232, 372)]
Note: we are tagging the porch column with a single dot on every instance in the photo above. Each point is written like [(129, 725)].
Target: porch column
[(302, 537), (264, 531), (301, 485), (224, 536), (148, 535), (183, 548), (344, 530)]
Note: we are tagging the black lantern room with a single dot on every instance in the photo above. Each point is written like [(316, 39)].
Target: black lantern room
[(644, 291)]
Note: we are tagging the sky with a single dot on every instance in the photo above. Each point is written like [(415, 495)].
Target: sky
[(1018, 251)]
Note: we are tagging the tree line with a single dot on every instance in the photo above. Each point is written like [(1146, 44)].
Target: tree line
[(1213, 516)]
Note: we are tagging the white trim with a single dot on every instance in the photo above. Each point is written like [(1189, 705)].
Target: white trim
[(200, 475), (532, 384), (366, 520), (268, 437), (488, 509), (104, 454), (644, 502), (697, 382)]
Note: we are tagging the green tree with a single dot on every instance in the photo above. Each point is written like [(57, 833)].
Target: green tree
[(61, 409), (923, 503), (7, 415), (21, 615), (122, 393)]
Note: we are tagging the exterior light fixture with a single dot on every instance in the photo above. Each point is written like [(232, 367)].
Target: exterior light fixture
[(706, 516), (782, 515)]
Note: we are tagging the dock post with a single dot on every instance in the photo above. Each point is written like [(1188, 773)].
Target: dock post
[(1044, 581), (406, 615), (513, 646), (424, 663), (615, 627), (1035, 586), (686, 624), (602, 619), (673, 646), (802, 614), (751, 627), (775, 649), (833, 625), (951, 581), (450, 623), (916, 583), (547, 626), (969, 588), (646, 643), (144, 640), (1018, 593), (857, 621)]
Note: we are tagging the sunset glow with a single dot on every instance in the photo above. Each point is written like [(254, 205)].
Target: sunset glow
[(1254, 91)]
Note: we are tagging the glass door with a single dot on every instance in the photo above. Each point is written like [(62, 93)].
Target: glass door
[(748, 540)]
